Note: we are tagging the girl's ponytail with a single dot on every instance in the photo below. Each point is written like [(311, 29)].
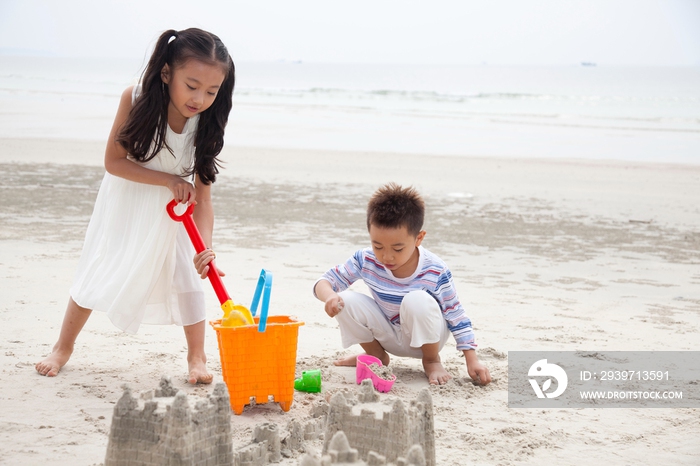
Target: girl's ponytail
[(147, 122)]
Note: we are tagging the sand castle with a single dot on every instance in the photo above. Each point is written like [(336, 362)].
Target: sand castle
[(164, 427), (387, 428)]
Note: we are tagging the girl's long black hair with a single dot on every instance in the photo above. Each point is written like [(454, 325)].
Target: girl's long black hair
[(143, 133)]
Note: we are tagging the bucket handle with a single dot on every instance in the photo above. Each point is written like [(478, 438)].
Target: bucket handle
[(263, 288)]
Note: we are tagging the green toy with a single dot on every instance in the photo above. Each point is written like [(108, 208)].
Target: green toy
[(310, 381)]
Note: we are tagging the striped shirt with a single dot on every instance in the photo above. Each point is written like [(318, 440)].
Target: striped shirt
[(432, 275)]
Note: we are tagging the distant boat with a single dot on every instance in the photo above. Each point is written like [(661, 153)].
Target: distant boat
[(587, 63)]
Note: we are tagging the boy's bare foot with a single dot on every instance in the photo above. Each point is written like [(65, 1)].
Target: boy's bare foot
[(198, 372), (437, 375), (52, 364), (346, 361), (352, 360)]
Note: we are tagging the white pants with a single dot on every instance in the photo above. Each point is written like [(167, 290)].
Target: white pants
[(362, 321)]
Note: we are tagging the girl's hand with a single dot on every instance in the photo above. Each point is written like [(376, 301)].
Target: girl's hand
[(334, 305), (183, 191), (201, 263)]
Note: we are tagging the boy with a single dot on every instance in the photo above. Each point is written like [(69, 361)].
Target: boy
[(414, 306)]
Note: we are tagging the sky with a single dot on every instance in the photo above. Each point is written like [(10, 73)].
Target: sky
[(518, 32)]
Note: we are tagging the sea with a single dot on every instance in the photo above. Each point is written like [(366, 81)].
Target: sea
[(583, 111)]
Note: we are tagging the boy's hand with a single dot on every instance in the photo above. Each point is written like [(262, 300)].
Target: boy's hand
[(334, 305), (477, 371)]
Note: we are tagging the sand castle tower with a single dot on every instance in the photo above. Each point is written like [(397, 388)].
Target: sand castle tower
[(388, 428), (340, 453), (164, 428)]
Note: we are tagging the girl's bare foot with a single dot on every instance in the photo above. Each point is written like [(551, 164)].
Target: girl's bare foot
[(352, 360), (437, 375), (196, 358), (198, 372), (52, 364)]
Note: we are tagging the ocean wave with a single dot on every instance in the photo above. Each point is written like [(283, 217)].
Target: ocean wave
[(78, 79), (436, 96), (612, 126), (679, 113), (61, 93), (41, 81)]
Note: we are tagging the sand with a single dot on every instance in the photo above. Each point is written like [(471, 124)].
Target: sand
[(546, 255)]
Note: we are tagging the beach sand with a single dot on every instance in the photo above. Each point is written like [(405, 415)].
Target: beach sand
[(546, 255)]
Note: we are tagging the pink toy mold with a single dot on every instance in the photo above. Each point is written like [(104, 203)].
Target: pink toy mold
[(364, 372)]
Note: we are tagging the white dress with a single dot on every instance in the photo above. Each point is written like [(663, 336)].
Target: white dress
[(136, 263)]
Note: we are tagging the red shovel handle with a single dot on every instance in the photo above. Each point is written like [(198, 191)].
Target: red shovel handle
[(199, 246)]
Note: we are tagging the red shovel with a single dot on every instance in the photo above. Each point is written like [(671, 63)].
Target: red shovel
[(234, 315)]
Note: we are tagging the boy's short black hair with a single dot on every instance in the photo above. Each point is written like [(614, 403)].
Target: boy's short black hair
[(392, 206)]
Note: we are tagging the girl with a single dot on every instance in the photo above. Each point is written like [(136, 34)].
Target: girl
[(135, 263)]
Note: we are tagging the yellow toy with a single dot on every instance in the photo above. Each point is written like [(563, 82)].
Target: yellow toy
[(234, 315)]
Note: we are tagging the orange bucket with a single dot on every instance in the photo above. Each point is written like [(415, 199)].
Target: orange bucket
[(258, 361)]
